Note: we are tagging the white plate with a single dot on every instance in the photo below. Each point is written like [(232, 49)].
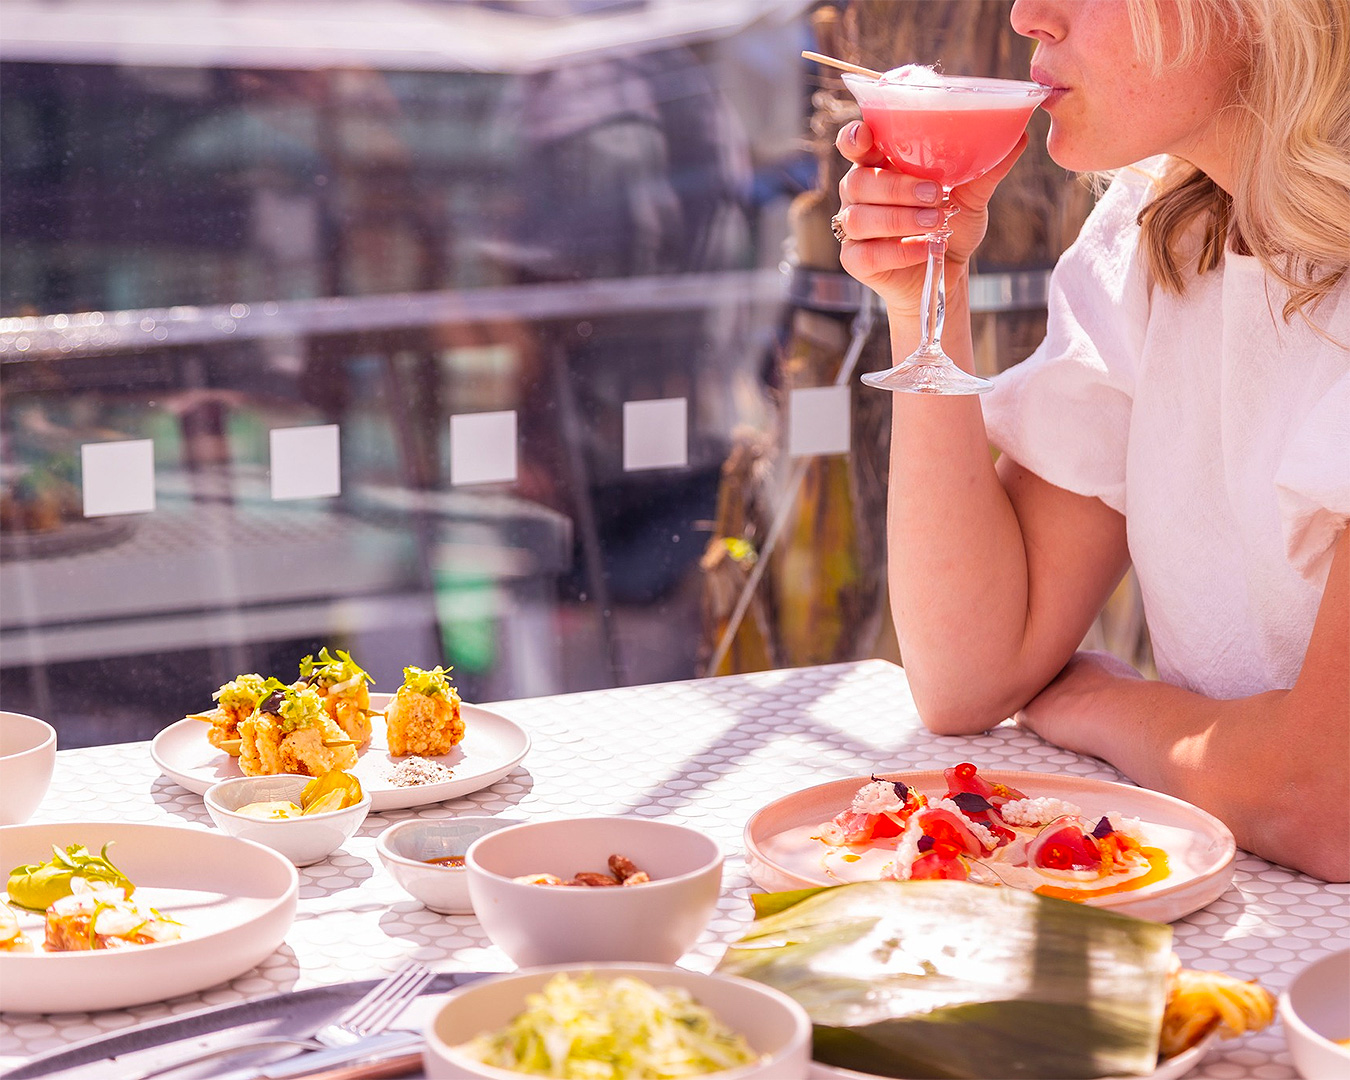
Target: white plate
[(491, 748), (1172, 1069), (235, 899), (782, 855)]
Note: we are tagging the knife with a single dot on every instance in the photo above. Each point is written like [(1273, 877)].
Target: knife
[(377, 1050), (135, 1051)]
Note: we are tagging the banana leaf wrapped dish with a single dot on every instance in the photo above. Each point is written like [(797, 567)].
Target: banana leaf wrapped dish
[(942, 978)]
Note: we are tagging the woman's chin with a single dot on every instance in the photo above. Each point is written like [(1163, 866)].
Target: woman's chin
[(1070, 153)]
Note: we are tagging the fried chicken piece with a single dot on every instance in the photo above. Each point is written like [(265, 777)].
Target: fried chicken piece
[(424, 717), (342, 684), (235, 702), (291, 733)]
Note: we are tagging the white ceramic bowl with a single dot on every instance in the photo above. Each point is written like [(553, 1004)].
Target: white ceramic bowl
[(547, 924), (303, 840), (773, 1024), (405, 847), (1315, 1010), (27, 757)]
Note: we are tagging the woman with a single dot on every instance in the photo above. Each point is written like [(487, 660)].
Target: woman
[(1188, 411)]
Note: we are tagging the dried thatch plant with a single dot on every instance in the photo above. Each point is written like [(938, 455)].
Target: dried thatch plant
[(823, 597)]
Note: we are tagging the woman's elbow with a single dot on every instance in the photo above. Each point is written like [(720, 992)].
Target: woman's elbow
[(946, 713)]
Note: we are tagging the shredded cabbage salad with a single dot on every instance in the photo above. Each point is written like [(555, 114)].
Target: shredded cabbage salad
[(590, 1028)]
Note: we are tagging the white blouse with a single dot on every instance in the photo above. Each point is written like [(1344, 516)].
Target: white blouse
[(1220, 431)]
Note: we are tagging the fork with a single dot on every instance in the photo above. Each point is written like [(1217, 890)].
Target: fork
[(368, 1017), (379, 1008)]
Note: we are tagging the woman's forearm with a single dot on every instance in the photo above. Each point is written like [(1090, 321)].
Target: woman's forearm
[(1273, 767), (958, 576)]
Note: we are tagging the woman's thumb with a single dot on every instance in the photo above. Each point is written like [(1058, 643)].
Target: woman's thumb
[(855, 142)]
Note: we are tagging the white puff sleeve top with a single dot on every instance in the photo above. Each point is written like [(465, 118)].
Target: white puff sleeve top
[(1220, 431)]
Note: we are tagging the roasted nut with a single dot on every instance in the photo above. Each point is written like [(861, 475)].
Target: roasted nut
[(625, 873), (587, 878)]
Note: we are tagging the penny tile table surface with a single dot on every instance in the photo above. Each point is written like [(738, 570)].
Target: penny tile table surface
[(708, 753)]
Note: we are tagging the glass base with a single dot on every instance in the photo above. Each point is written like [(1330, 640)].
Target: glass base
[(927, 376)]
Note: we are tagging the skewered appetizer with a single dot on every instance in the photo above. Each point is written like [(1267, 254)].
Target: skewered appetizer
[(235, 702), (101, 917), (290, 732), (424, 717), (341, 683)]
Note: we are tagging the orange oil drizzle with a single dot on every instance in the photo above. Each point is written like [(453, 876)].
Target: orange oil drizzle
[(1158, 869)]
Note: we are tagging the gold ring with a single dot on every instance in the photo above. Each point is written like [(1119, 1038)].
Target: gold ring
[(837, 227)]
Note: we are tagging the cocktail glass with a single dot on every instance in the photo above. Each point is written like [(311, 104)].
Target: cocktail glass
[(951, 130)]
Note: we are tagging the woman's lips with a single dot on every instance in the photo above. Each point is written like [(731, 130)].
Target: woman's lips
[(1057, 89)]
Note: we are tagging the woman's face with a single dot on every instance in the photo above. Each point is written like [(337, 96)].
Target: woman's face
[(1109, 108)]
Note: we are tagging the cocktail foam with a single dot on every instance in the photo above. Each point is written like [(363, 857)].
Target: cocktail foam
[(919, 87), (916, 75)]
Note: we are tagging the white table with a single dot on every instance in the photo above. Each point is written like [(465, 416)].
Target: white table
[(707, 753)]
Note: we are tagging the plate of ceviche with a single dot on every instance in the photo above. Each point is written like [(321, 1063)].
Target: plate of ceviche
[(1106, 844), (106, 916)]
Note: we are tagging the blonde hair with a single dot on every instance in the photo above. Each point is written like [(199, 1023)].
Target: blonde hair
[(1290, 204)]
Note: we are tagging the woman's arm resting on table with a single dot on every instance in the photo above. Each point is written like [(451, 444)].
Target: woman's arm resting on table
[(996, 574), (1275, 767)]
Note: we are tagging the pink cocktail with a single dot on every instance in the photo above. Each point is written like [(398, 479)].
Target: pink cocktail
[(951, 130), (950, 146)]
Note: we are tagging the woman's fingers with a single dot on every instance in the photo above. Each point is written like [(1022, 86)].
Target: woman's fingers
[(870, 184), (867, 260), (871, 221)]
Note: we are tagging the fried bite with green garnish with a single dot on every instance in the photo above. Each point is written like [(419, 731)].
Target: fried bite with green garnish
[(342, 684), (424, 717), (291, 732)]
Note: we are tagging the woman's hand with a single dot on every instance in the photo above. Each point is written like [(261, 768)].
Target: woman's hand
[(885, 213), (1069, 711)]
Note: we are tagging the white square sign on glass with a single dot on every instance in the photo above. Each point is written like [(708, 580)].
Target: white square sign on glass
[(118, 477), (305, 462), (655, 434), (483, 448), (818, 420)]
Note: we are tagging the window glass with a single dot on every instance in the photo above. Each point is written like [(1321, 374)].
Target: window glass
[(436, 362)]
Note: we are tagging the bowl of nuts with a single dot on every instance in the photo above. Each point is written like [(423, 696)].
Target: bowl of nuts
[(621, 889)]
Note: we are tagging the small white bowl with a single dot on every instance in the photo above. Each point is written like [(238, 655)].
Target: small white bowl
[(548, 924), (405, 847), (303, 840), (1315, 1009), (772, 1023), (27, 757)]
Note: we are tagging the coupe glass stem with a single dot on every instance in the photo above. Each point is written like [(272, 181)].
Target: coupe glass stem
[(929, 370), (934, 304)]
